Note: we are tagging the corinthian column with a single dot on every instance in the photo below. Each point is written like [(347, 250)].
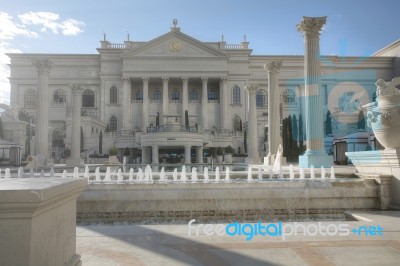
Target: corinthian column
[(75, 159), (204, 103), (165, 100), (223, 104), (185, 99), (274, 136), (127, 114), (252, 125), (315, 153), (146, 104), (42, 107)]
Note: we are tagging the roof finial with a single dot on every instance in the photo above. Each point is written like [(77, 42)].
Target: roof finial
[(175, 22), (104, 36), (244, 38), (222, 38), (128, 36)]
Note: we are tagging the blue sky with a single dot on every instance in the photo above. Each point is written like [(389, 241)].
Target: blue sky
[(354, 27)]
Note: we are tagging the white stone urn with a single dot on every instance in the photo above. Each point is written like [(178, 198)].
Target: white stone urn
[(228, 158), (383, 116)]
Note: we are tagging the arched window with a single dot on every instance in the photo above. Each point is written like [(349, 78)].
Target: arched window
[(113, 95), (236, 95), (139, 96), (113, 124), (237, 123), (193, 95), (88, 98), (288, 96), (260, 98), (212, 95), (157, 95), (175, 95), (30, 98), (59, 96)]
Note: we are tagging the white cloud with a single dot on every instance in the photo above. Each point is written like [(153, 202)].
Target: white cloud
[(51, 21), (10, 28)]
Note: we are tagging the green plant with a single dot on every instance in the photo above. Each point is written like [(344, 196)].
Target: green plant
[(101, 142), (220, 151), (113, 151), (229, 149), (245, 141)]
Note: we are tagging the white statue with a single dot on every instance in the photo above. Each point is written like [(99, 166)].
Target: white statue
[(278, 159)]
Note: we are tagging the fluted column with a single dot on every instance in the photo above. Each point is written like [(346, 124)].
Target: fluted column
[(185, 100), (223, 104), (315, 153), (42, 107), (187, 154), (127, 114), (274, 136), (204, 103), (76, 122), (165, 100), (146, 105), (252, 125)]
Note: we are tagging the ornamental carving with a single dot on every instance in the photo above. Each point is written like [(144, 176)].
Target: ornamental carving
[(251, 88), (42, 65), (273, 67), (311, 26), (387, 88), (175, 46)]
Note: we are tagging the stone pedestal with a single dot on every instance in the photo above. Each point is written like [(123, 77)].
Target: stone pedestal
[(38, 221), (315, 154)]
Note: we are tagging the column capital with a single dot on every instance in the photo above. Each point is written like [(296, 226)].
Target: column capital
[(165, 79), (126, 78), (204, 79), (273, 67), (76, 88), (251, 88), (145, 78), (185, 79), (311, 26), (42, 65)]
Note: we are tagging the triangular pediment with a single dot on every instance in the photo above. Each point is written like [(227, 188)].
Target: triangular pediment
[(175, 44)]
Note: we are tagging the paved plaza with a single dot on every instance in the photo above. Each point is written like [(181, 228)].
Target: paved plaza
[(171, 245)]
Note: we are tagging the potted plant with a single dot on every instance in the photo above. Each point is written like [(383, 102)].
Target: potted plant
[(112, 155), (228, 154), (220, 154), (126, 155)]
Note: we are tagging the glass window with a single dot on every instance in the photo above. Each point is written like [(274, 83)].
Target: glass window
[(88, 98), (157, 95), (193, 95), (113, 124), (237, 123), (113, 95), (175, 95), (260, 99), (288, 96), (235, 95), (59, 96), (30, 98), (139, 96), (212, 95)]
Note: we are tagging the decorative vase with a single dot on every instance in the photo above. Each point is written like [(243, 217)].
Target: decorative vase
[(383, 116)]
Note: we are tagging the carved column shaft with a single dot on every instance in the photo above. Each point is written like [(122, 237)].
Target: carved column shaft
[(76, 122), (165, 100), (204, 103), (223, 104), (127, 114), (42, 107), (146, 104), (252, 124), (185, 99), (274, 136)]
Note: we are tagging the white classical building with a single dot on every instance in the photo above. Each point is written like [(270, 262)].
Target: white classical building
[(176, 96)]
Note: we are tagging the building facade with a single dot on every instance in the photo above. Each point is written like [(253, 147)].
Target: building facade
[(177, 97)]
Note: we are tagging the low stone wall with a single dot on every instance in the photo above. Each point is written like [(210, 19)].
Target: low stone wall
[(225, 202)]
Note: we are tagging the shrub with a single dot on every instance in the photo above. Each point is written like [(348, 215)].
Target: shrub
[(113, 151), (229, 149), (219, 151), (126, 152)]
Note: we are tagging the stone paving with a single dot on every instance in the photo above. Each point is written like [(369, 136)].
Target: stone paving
[(171, 245)]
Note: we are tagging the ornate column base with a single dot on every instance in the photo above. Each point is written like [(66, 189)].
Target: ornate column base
[(317, 158)]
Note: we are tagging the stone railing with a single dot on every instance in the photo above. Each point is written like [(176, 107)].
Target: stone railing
[(233, 46), (116, 45)]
